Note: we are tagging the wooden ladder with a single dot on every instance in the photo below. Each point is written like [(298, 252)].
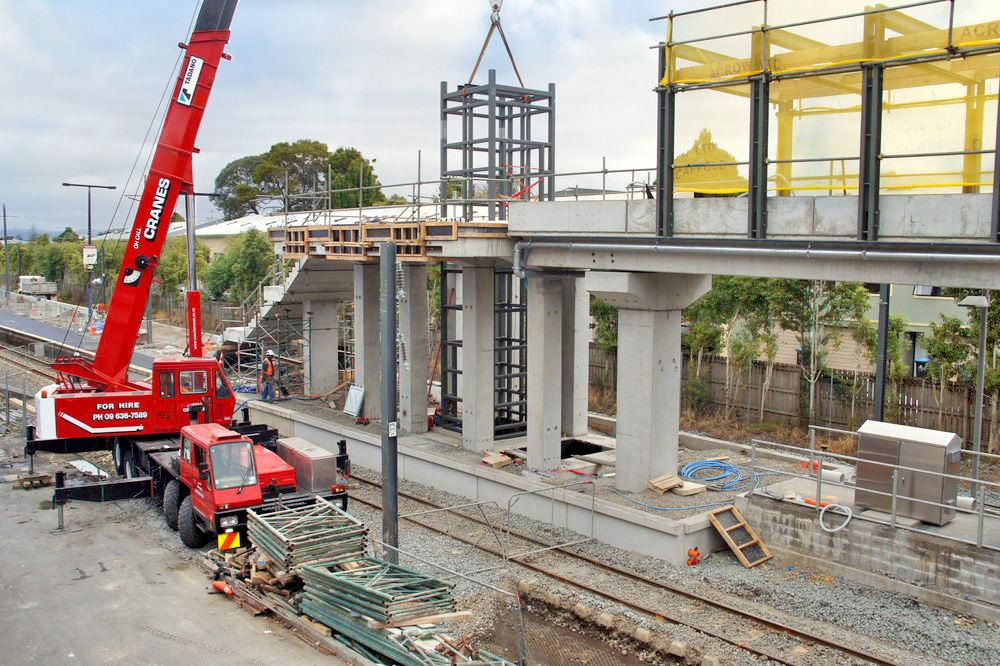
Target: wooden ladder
[(739, 536)]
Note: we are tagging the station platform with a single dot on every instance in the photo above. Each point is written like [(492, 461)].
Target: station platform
[(69, 342), (579, 503)]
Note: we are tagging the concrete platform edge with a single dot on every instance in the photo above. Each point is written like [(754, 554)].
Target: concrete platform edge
[(614, 524)]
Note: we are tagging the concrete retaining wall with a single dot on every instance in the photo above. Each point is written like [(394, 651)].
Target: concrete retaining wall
[(918, 559)]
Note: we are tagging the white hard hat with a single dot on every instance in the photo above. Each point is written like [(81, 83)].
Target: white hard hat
[(270, 352)]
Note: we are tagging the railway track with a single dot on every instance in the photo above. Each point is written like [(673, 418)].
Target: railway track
[(26, 361), (643, 587)]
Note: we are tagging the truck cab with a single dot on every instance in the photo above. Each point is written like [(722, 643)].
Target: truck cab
[(226, 473)]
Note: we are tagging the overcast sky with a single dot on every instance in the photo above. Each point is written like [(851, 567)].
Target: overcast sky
[(84, 77)]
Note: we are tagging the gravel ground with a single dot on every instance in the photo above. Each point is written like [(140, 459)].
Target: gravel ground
[(807, 599)]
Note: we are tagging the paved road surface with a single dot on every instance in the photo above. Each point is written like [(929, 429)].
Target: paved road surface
[(115, 593)]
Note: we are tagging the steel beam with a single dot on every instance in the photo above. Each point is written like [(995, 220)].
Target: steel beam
[(666, 106), (757, 209), (871, 146)]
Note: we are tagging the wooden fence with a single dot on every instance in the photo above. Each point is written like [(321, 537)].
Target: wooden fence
[(842, 400)]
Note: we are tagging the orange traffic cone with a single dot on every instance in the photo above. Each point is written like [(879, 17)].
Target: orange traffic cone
[(220, 586)]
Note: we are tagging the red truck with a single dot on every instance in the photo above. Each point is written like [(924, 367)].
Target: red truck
[(173, 435)]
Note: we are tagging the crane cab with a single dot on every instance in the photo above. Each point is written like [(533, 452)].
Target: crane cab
[(189, 390)]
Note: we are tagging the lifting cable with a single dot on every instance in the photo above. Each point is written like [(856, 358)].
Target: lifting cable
[(495, 25)]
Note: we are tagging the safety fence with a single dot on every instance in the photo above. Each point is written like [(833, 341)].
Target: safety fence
[(843, 398), (973, 499)]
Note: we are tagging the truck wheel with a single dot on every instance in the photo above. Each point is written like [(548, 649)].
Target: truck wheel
[(172, 502), (118, 453), (130, 470), (187, 524)]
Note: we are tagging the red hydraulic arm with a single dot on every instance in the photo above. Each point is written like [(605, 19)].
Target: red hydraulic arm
[(169, 175)]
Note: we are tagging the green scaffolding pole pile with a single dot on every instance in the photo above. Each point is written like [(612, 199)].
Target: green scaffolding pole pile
[(310, 534)]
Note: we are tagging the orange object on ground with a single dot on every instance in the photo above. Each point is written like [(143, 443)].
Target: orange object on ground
[(809, 500), (694, 556), (221, 586)]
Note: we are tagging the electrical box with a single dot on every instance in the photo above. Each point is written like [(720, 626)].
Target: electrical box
[(315, 467), (933, 452)]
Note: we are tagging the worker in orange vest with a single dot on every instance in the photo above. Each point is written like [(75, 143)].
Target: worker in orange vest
[(267, 377)]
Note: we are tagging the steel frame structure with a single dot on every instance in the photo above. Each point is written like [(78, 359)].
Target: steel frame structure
[(506, 138), (451, 342), (861, 69), (510, 355), (510, 358)]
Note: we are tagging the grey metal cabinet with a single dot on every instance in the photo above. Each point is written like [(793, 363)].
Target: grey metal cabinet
[(932, 452)]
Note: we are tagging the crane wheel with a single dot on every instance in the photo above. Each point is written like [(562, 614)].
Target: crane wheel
[(172, 502), (187, 525), (118, 453)]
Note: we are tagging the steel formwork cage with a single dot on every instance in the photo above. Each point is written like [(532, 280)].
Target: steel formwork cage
[(499, 135), (510, 353), (896, 55)]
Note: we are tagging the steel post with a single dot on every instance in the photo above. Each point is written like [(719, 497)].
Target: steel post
[(981, 501), (977, 433), (995, 213), (895, 494), (390, 490), (666, 104), (759, 114), (189, 223), (871, 142), (881, 357)]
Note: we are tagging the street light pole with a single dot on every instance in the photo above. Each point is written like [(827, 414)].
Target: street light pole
[(90, 301)]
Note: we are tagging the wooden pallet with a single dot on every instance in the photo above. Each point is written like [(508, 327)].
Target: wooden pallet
[(27, 481), (662, 484), (739, 536)]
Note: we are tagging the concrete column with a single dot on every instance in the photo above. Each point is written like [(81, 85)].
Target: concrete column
[(545, 371), (649, 370), (649, 352), (414, 356), (478, 343), (320, 358), (575, 356), (366, 337)]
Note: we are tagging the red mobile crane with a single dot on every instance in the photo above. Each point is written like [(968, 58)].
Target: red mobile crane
[(173, 437)]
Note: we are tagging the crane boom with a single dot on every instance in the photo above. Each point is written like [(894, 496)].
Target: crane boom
[(169, 175)]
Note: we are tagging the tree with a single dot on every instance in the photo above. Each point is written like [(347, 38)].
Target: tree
[(949, 347), (246, 262), (605, 324), (173, 268), (236, 189), (296, 175), (817, 311), (865, 334), (67, 236)]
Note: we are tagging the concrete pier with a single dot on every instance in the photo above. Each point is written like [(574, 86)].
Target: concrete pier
[(413, 358), (366, 337), (649, 370), (478, 344), (322, 332), (545, 371)]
